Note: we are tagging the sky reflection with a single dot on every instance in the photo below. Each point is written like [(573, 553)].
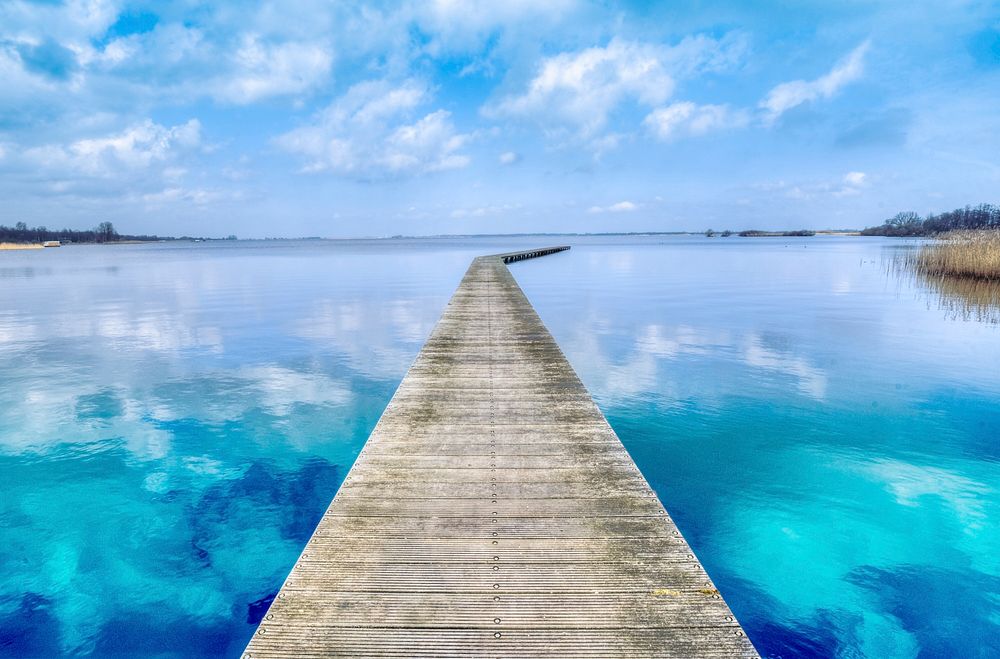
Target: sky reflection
[(174, 419), (819, 431)]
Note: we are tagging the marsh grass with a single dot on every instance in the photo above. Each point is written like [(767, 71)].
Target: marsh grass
[(12, 246), (968, 298), (972, 254), (963, 269)]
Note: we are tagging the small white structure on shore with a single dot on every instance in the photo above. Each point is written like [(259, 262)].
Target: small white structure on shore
[(52, 243)]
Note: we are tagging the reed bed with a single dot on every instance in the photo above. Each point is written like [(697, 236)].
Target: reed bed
[(962, 269), (973, 254), (11, 246), (968, 299)]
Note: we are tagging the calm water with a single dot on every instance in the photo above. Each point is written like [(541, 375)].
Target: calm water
[(174, 420)]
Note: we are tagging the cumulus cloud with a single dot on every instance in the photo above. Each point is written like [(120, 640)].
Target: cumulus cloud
[(578, 91), (371, 132), (196, 196), (484, 211), (509, 158), (620, 207), (788, 95), (262, 70), (689, 119), (582, 88), (461, 25), (855, 179), (98, 53), (137, 147), (850, 184)]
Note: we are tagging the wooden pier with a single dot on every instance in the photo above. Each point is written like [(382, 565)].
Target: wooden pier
[(493, 512)]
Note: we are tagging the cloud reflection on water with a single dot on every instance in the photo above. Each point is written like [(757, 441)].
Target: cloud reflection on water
[(171, 429), (820, 438)]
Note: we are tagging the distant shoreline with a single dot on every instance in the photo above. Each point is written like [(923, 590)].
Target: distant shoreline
[(5, 246)]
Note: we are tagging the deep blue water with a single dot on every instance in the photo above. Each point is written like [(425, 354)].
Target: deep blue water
[(175, 418)]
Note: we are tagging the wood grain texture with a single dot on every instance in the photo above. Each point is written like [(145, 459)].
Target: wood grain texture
[(493, 512)]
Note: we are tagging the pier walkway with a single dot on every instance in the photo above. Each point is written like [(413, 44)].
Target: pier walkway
[(493, 512)]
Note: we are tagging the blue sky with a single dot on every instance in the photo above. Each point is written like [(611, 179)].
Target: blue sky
[(305, 117)]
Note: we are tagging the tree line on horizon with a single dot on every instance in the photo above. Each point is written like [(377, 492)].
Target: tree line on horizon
[(907, 224), (104, 232)]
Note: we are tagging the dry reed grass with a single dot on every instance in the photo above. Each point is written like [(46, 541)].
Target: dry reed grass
[(963, 269), (9, 246), (973, 254), (968, 298)]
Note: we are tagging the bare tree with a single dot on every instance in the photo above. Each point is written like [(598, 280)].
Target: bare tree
[(106, 232)]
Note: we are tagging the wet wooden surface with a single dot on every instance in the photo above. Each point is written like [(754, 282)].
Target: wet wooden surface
[(493, 512)]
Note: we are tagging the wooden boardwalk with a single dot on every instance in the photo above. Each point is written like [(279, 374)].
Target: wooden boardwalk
[(494, 512)]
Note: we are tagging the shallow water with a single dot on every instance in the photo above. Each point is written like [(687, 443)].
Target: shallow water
[(175, 418)]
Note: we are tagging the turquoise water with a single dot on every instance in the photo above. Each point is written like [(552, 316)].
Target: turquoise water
[(174, 419)]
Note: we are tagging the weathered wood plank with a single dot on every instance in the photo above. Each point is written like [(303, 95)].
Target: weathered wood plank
[(493, 512)]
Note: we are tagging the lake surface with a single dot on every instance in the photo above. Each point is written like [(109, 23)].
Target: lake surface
[(174, 420)]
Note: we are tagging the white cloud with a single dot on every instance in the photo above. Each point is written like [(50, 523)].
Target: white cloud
[(850, 184), (137, 147), (484, 211), (262, 70), (430, 144), (366, 133), (576, 92), (788, 95), (197, 196), (506, 158), (855, 179), (456, 25), (689, 119), (620, 207), (582, 88)]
